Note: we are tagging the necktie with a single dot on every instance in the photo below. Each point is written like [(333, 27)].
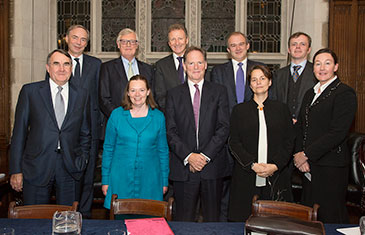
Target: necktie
[(296, 72), (77, 69), (196, 105), (240, 84), (59, 107), (180, 70), (130, 70)]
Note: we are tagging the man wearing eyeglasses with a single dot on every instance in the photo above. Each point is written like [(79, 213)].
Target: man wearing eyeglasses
[(115, 74), (51, 136)]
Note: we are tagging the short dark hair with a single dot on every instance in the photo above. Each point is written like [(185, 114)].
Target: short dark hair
[(326, 50), (236, 33), (297, 34), (177, 27), (126, 101), (266, 71), (59, 51), (75, 26), (194, 48)]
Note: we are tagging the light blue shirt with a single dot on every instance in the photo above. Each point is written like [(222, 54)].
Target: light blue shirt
[(126, 66)]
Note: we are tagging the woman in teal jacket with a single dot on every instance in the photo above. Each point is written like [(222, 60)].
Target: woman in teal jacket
[(136, 156)]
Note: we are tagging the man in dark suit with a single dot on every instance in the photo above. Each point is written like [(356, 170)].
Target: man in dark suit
[(197, 123), (115, 74), (51, 136), (86, 71), (226, 74), (291, 82), (169, 70)]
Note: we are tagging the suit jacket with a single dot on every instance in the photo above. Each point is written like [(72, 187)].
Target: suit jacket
[(281, 83), (323, 126), (166, 77), (224, 75), (113, 81), (244, 141), (213, 130), (90, 81), (36, 134)]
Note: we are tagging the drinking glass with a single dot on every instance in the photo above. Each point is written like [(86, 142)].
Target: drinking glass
[(7, 231), (66, 222)]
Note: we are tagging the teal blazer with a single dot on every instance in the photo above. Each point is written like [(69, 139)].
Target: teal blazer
[(135, 159)]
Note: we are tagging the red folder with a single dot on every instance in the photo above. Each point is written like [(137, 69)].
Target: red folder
[(150, 226)]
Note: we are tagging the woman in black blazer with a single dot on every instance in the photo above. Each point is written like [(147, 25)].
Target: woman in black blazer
[(261, 142), (321, 150)]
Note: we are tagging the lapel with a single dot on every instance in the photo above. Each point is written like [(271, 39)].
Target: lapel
[(72, 98), (147, 122), (170, 65), (141, 68), (86, 69), (306, 81), (326, 93), (121, 77), (187, 104), (45, 93), (119, 67), (204, 103), (285, 82), (228, 70)]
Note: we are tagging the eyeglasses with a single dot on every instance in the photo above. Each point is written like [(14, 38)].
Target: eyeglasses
[(125, 42)]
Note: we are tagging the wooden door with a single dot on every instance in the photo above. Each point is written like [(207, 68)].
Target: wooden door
[(347, 39)]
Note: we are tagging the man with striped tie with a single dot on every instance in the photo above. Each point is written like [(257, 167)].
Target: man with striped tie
[(291, 82)]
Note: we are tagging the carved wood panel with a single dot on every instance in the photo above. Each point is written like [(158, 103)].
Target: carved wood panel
[(346, 38)]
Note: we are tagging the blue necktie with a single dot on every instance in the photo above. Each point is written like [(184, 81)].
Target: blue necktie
[(240, 84), (180, 70), (296, 72)]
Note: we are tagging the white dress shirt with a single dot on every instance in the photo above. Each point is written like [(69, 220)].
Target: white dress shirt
[(81, 59), (64, 93), (235, 68)]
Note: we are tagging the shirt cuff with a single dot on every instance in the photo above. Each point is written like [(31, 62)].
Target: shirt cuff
[(186, 159), (206, 157)]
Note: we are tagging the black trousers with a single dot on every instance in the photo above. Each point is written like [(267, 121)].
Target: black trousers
[(187, 194), (66, 187), (328, 188)]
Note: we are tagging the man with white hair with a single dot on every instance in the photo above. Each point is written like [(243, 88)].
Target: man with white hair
[(115, 74)]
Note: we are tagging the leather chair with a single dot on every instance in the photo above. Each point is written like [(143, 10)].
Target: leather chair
[(276, 217), (356, 186), (141, 207), (37, 211)]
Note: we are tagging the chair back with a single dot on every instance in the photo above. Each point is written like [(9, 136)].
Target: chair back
[(141, 207), (266, 207), (356, 143), (37, 211)]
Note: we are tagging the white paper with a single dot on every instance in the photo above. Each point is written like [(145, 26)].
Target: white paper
[(350, 231)]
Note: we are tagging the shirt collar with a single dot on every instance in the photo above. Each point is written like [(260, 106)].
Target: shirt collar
[(235, 62), (125, 61), (318, 88), (54, 86), (191, 84)]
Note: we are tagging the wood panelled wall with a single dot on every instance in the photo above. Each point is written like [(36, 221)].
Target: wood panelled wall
[(347, 39), (4, 85)]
